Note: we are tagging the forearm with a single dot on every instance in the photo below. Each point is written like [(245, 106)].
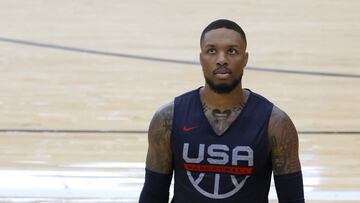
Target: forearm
[(156, 187), (289, 188)]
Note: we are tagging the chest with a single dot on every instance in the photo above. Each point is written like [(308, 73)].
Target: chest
[(220, 121), (241, 145)]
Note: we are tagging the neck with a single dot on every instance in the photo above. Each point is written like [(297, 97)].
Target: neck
[(229, 100)]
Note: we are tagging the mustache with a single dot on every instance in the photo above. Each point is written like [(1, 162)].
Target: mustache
[(222, 70)]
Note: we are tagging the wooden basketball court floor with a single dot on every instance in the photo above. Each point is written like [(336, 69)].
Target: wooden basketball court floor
[(80, 81)]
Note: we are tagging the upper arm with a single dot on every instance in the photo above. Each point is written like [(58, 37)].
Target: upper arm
[(284, 143), (159, 155)]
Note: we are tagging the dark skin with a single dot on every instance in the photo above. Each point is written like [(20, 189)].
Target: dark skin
[(224, 48), (159, 155)]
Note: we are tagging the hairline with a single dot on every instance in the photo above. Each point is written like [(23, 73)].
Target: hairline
[(204, 33)]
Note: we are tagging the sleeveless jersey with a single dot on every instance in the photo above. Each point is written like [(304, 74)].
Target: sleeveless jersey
[(233, 167)]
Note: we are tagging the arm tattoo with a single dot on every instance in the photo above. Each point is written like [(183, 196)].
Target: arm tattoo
[(284, 143), (159, 155)]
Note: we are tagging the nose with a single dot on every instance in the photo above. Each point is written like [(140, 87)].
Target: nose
[(221, 59)]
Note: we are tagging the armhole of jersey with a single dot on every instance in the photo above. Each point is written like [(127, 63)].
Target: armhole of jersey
[(173, 126), (267, 128)]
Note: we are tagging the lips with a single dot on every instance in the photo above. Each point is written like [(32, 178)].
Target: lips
[(222, 73)]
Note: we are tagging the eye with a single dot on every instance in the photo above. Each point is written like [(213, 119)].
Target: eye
[(211, 51), (232, 51)]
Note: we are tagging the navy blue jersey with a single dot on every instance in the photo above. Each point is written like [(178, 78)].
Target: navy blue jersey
[(233, 167)]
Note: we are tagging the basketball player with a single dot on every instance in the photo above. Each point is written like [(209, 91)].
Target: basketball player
[(222, 141)]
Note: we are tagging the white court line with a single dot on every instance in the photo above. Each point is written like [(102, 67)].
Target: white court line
[(129, 165), (125, 184)]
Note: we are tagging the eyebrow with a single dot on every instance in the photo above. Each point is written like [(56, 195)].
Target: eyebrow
[(209, 45), (237, 46)]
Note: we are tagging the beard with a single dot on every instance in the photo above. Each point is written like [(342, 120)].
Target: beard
[(223, 88)]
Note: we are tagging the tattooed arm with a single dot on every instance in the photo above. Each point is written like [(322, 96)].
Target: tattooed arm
[(158, 172), (285, 158), (159, 155), (284, 143)]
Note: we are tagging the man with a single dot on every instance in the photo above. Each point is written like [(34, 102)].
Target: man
[(222, 141)]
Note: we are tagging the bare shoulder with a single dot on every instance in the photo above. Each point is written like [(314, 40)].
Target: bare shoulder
[(278, 120), (284, 143), (159, 155), (162, 119)]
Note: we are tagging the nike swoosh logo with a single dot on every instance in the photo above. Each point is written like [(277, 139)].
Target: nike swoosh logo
[(185, 129)]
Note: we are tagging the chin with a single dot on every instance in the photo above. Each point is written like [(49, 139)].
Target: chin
[(222, 87)]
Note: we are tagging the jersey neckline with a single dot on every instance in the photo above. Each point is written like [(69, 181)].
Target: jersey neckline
[(199, 103)]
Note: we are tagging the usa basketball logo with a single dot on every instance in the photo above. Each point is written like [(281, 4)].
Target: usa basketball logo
[(218, 156)]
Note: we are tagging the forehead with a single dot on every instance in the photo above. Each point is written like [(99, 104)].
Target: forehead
[(222, 36)]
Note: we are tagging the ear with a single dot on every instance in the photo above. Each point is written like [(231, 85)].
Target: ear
[(200, 58), (246, 58)]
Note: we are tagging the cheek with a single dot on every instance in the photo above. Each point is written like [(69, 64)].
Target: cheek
[(207, 71), (239, 62), (205, 63), (203, 59)]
